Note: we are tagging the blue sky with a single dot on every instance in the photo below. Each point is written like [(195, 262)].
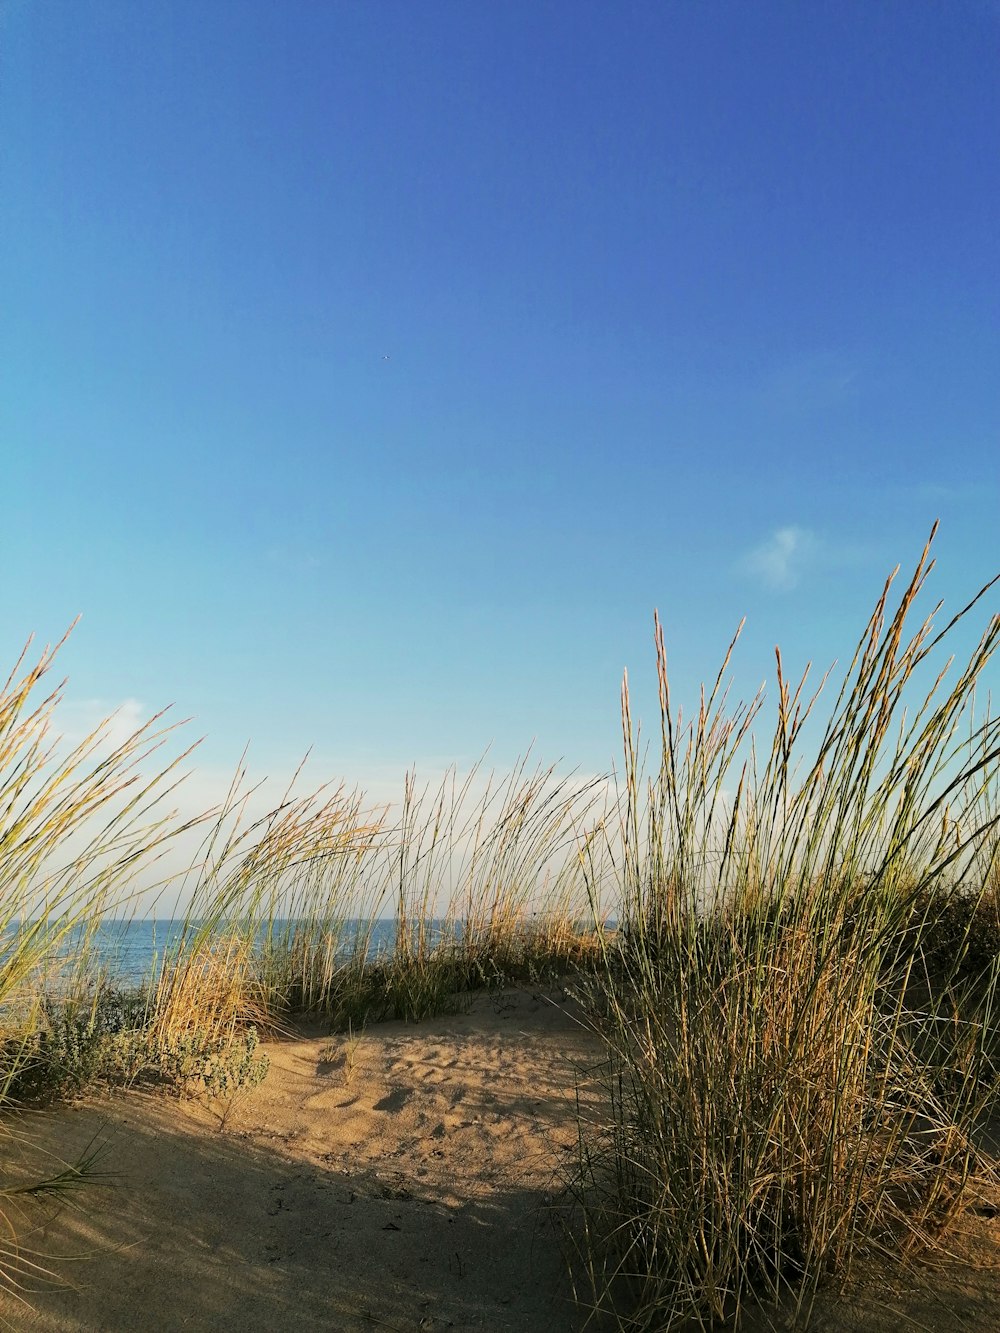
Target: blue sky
[(370, 371)]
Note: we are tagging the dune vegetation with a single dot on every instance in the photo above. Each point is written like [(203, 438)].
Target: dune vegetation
[(799, 1005), (320, 908), (790, 954)]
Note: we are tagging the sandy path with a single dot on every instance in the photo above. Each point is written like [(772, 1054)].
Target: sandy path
[(399, 1185)]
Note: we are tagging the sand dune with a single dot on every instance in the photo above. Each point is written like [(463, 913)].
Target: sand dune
[(399, 1182)]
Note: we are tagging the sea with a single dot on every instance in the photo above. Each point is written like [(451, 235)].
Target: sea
[(128, 952)]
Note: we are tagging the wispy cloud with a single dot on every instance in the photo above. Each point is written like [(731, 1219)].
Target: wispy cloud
[(77, 719), (810, 383), (780, 562), (936, 492)]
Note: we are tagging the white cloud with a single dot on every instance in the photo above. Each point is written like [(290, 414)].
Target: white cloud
[(76, 719), (780, 561)]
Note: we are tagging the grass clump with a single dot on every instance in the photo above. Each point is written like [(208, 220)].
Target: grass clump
[(319, 908), (796, 1076), (77, 824), (469, 878)]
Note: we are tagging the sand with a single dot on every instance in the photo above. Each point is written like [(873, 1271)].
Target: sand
[(401, 1183)]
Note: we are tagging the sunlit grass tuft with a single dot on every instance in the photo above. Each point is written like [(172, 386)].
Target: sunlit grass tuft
[(76, 825), (795, 1080)]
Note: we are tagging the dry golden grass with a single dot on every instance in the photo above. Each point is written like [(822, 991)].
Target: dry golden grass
[(796, 993), (780, 1104)]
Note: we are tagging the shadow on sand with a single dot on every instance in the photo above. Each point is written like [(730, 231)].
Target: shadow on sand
[(212, 1231)]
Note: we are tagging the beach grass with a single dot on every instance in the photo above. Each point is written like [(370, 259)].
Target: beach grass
[(77, 824), (791, 950), (799, 1006), (469, 880)]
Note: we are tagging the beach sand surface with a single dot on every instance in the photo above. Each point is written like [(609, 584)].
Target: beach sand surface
[(397, 1180), (401, 1179)]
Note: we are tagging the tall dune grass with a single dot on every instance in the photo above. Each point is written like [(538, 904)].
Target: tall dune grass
[(255, 894), (797, 1003), (794, 1083), (277, 915), (473, 876), (76, 826)]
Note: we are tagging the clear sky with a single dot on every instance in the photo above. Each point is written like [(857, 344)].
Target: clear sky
[(370, 371)]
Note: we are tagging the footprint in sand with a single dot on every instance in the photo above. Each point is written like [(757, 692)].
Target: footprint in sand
[(394, 1100)]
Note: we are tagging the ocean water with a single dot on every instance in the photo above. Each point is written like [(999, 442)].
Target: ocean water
[(128, 951)]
